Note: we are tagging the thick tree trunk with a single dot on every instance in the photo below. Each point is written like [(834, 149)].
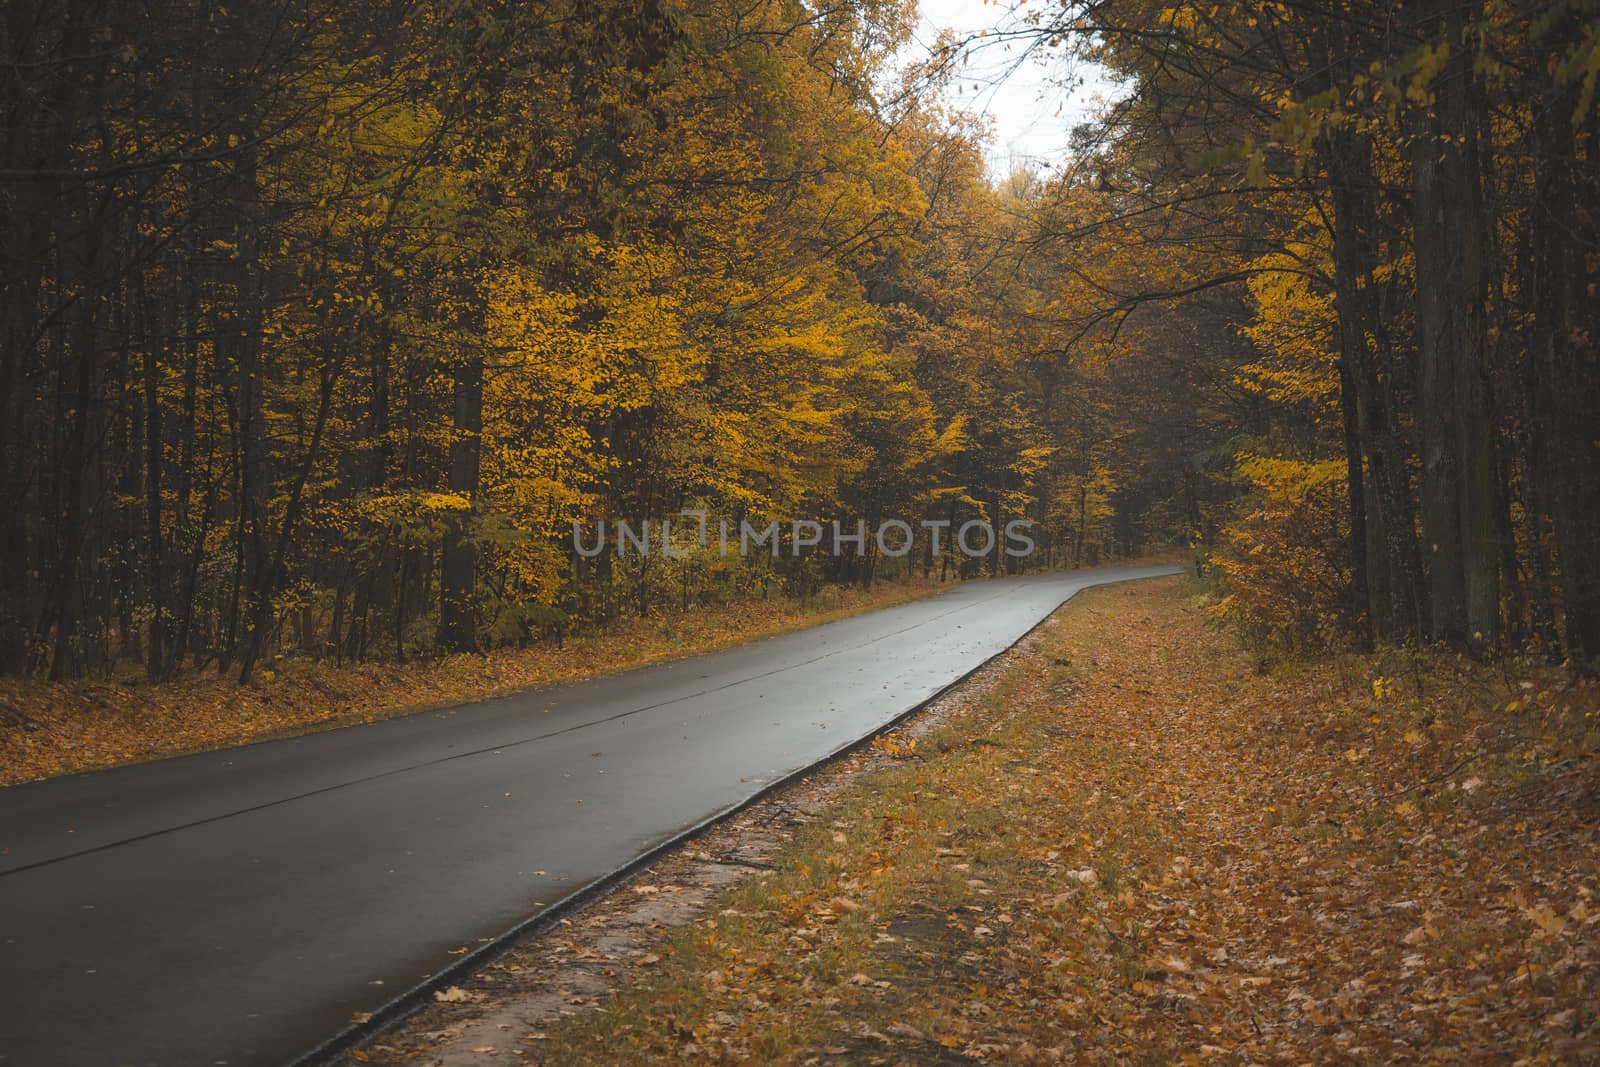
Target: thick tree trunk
[(81, 414), (1440, 496), (1565, 364), (457, 624), (1366, 353), (1467, 282)]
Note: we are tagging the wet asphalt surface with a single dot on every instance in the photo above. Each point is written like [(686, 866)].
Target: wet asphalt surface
[(238, 907)]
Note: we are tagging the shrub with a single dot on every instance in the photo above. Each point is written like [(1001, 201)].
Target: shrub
[(1282, 568)]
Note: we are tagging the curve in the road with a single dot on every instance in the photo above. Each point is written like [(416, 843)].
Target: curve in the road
[(238, 907)]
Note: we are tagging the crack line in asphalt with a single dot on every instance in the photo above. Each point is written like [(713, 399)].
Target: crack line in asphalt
[(497, 748)]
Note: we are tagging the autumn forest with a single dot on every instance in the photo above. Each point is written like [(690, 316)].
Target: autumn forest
[(794, 532), (324, 326)]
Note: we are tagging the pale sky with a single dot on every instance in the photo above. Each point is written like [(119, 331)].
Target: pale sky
[(1031, 100)]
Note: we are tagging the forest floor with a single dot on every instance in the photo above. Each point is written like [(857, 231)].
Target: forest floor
[(49, 729), (1125, 841)]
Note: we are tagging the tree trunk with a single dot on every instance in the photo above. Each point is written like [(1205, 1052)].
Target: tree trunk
[(1361, 597), (458, 566), (1566, 444), (1433, 208), (1362, 305), (1467, 283)]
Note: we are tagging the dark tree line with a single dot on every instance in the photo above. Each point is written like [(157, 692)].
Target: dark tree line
[(1446, 155)]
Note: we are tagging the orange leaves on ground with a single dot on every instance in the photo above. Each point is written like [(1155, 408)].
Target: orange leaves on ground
[(895, 744)]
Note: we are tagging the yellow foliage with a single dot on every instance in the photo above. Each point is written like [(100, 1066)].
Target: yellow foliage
[(1284, 564)]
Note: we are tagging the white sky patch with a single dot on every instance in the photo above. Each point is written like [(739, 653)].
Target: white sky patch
[(1031, 95)]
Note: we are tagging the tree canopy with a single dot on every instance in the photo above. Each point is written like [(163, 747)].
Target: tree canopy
[(325, 326)]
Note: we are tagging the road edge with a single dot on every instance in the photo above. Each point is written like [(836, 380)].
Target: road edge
[(395, 1011)]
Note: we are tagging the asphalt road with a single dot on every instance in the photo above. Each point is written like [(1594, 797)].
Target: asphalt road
[(237, 907)]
